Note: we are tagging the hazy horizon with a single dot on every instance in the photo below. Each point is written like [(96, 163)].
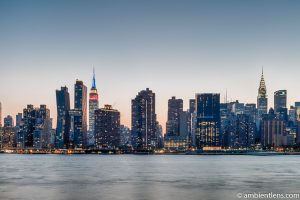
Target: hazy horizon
[(175, 48)]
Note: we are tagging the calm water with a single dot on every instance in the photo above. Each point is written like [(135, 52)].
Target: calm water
[(142, 177)]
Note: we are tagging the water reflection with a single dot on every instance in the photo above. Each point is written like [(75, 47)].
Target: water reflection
[(137, 177)]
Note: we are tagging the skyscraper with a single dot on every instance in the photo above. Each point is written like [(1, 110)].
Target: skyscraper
[(208, 120), (76, 135), (33, 119), (0, 114), (280, 98), (262, 100), (18, 119), (143, 120), (63, 118), (175, 107), (8, 121), (93, 104), (80, 104), (273, 130), (107, 127)]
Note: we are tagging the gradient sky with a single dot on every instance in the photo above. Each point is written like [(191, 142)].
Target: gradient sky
[(176, 48)]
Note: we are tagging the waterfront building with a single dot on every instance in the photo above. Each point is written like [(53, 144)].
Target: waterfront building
[(273, 131), (80, 104), (7, 137), (107, 128), (0, 114), (33, 118), (208, 120), (175, 107), (192, 121), (63, 118), (143, 120), (76, 127), (125, 136), (176, 143)]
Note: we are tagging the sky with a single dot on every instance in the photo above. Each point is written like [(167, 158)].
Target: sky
[(174, 47)]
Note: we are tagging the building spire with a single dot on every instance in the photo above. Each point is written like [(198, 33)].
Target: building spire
[(94, 79), (262, 91)]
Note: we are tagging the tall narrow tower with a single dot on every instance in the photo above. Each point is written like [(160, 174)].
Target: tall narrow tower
[(262, 100), (93, 104)]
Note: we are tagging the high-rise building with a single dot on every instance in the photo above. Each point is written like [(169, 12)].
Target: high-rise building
[(280, 98), (63, 118), (297, 111), (93, 104), (192, 106), (175, 107), (262, 100), (8, 121), (238, 108), (184, 124), (80, 104), (76, 135), (33, 119), (7, 137), (0, 114), (107, 127), (143, 120), (250, 110), (125, 136), (18, 119), (273, 130), (208, 120)]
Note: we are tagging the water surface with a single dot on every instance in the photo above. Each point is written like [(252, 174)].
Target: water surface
[(144, 177)]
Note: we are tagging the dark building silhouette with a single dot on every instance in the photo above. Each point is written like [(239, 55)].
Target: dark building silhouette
[(107, 127), (208, 120), (62, 139), (76, 129), (143, 121), (175, 107), (80, 105)]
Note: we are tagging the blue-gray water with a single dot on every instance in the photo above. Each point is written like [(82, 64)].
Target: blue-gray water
[(143, 177)]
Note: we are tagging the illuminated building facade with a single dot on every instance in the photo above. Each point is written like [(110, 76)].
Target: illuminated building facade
[(208, 120), (143, 120), (273, 131), (93, 105), (262, 100), (107, 128)]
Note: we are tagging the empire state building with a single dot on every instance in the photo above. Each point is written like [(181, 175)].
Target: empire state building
[(93, 104), (262, 100)]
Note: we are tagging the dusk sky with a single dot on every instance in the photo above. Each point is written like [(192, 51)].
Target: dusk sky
[(175, 48)]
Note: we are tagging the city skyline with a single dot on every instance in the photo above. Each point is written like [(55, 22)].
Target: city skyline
[(175, 49)]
